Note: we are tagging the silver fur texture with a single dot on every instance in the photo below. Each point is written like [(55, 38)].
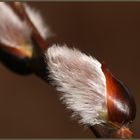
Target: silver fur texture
[(14, 32), (80, 81)]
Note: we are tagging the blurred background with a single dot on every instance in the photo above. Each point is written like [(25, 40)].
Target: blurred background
[(110, 31)]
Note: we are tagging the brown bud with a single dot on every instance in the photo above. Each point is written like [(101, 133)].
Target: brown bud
[(15, 60), (120, 103)]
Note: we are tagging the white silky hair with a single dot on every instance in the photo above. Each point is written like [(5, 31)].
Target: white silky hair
[(80, 81), (13, 31), (38, 21)]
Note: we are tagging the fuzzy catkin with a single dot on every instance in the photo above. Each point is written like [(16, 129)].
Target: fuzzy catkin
[(80, 81)]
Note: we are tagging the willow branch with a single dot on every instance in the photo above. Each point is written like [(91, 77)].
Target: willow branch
[(38, 65)]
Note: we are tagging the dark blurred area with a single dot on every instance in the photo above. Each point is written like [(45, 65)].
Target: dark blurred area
[(110, 31)]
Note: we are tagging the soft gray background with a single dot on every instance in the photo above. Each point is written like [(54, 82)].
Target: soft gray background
[(110, 31)]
